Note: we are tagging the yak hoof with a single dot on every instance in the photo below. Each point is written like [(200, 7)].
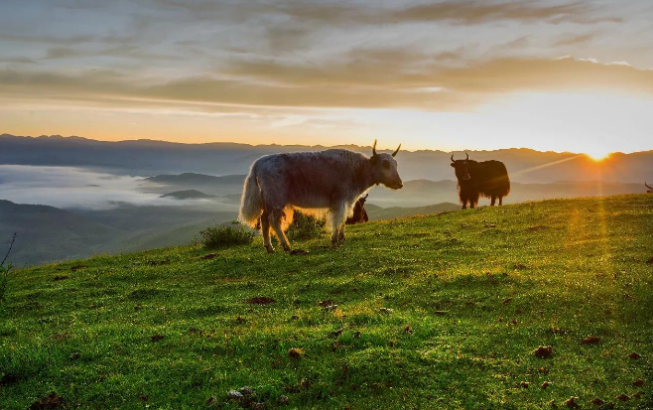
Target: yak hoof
[(287, 248), (269, 248)]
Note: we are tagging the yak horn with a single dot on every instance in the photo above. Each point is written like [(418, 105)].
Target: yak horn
[(374, 149), (467, 159), (365, 197), (452, 160), (648, 186), (397, 150)]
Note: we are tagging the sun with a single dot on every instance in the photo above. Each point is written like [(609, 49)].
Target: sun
[(597, 154)]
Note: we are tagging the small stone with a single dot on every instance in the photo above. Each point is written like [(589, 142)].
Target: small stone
[(524, 384), (386, 311), (247, 391), (74, 356), (284, 400), (234, 395)]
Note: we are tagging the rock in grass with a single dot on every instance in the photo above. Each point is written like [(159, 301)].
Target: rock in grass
[(543, 352), (247, 391), (234, 395)]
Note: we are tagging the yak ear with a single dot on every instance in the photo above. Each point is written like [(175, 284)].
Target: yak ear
[(453, 165)]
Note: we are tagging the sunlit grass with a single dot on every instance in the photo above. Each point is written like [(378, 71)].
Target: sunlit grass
[(479, 290)]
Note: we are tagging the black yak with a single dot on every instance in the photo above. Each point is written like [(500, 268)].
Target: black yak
[(489, 179), (650, 188), (360, 214), (328, 182)]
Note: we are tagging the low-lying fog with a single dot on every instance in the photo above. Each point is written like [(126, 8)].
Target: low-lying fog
[(69, 187)]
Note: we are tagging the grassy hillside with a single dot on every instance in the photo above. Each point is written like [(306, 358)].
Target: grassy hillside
[(438, 312)]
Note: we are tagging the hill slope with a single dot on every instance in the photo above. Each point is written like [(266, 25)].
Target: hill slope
[(471, 293)]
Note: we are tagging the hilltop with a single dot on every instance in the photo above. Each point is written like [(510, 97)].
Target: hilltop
[(434, 311)]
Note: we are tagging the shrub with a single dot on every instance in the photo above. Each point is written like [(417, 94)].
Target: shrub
[(226, 236), (305, 227)]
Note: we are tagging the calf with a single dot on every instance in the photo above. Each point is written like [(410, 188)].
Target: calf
[(360, 214)]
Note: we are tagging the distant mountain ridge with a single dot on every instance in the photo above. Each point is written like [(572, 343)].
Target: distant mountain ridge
[(149, 158)]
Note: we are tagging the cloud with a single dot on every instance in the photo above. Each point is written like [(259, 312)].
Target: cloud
[(572, 40), (345, 13), (68, 187), (378, 79)]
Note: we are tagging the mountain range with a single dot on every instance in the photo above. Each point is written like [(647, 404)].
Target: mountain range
[(150, 158)]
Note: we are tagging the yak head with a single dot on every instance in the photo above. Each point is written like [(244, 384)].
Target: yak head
[(461, 166), (650, 188), (384, 169)]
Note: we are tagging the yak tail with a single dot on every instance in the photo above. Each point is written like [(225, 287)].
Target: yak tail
[(251, 203)]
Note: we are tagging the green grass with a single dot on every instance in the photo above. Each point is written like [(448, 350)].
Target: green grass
[(569, 268)]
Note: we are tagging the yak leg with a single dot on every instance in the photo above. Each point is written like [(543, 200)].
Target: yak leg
[(265, 230), (338, 218), (500, 200), (276, 225), (494, 199)]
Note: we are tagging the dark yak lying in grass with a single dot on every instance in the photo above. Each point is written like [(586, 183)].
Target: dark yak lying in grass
[(360, 214), (489, 179)]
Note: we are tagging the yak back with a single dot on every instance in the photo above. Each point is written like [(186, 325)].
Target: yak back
[(489, 177)]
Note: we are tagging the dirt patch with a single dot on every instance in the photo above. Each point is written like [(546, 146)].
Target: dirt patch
[(60, 277), (590, 340), (209, 256), (295, 353), (157, 338), (543, 352), (51, 401), (260, 300), (8, 379), (299, 252)]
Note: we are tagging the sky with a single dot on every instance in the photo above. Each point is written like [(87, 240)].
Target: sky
[(450, 74)]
